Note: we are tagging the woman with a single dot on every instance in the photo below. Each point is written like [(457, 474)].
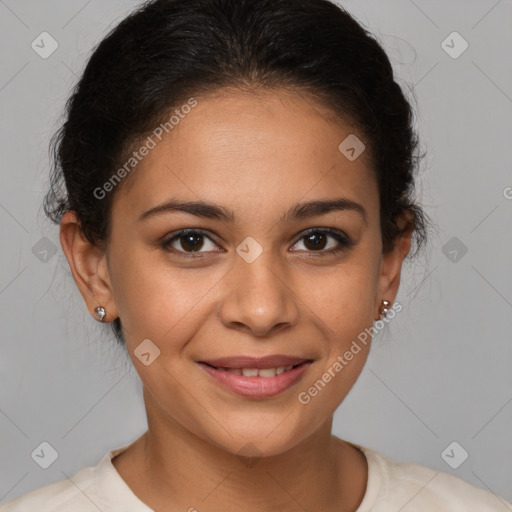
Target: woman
[(234, 186)]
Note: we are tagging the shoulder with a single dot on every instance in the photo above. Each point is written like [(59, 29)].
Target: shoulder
[(74, 494), (90, 489), (407, 486), (437, 490)]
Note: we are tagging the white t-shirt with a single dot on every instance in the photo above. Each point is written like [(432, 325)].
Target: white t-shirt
[(392, 486)]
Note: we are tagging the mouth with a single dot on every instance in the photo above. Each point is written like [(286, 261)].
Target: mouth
[(257, 377)]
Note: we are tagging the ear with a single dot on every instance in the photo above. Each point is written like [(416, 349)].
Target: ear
[(88, 264), (391, 263)]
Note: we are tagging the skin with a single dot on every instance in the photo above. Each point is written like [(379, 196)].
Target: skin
[(258, 154)]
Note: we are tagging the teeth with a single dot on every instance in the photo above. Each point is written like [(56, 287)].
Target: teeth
[(255, 372), (267, 372)]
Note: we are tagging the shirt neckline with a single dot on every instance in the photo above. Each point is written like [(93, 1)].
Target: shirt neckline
[(112, 487), (110, 483), (377, 484)]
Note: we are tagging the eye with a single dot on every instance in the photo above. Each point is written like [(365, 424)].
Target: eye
[(189, 241), (316, 240)]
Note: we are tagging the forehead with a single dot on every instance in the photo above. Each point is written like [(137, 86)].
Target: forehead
[(260, 147)]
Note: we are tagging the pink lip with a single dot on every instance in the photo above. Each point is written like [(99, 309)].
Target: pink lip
[(257, 387)]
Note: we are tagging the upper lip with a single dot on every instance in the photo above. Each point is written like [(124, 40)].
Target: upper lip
[(272, 361)]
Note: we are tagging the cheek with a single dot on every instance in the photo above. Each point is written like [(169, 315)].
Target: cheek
[(157, 302), (343, 308), (346, 324), (343, 299)]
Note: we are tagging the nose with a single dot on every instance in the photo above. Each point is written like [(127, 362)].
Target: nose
[(258, 297)]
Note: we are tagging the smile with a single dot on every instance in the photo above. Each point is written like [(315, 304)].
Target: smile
[(256, 377)]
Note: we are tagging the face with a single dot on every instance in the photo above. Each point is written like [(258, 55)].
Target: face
[(263, 271)]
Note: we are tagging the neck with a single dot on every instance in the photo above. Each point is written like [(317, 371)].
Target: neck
[(177, 467)]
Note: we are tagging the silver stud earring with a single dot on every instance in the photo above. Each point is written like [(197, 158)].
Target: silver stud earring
[(384, 308), (100, 313)]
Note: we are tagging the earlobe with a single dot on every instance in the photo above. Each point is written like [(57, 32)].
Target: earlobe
[(88, 264)]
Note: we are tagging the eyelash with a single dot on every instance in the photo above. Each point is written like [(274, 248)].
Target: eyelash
[(344, 242)]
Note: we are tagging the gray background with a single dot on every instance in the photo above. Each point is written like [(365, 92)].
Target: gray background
[(441, 371)]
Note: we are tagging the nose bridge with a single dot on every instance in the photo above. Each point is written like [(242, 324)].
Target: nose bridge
[(258, 296)]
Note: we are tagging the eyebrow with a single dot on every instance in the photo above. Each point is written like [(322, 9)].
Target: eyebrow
[(298, 212)]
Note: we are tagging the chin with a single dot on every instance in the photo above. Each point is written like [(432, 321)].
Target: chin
[(258, 439)]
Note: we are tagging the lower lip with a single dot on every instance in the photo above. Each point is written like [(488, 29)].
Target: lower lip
[(257, 387)]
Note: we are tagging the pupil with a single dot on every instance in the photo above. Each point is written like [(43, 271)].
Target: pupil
[(310, 239), (191, 242)]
